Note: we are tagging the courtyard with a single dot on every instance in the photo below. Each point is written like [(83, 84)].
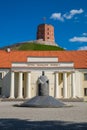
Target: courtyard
[(22, 118)]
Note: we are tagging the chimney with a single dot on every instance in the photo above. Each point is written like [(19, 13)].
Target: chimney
[(8, 49)]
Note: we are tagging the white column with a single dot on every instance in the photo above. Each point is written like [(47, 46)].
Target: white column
[(73, 85), (20, 85), (65, 85), (28, 86), (56, 85), (12, 86)]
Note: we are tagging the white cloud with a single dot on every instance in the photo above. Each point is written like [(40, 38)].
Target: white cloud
[(84, 34), (69, 15), (82, 48), (72, 13), (78, 39), (57, 16)]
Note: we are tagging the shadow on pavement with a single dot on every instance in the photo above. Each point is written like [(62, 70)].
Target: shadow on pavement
[(18, 124)]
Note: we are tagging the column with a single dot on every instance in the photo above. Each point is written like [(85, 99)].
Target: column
[(20, 85), (56, 85), (12, 86), (65, 85), (73, 85), (28, 85)]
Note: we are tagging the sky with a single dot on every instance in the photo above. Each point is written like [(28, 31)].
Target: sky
[(19, 20)]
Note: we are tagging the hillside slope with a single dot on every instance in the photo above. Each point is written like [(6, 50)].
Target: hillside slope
[(33, 46)]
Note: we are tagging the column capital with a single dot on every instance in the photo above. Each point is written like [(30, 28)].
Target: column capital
[(64, 72), (56, 72)]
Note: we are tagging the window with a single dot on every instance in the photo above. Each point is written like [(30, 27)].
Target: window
[(85, 76), (85, 91), (48, 29), (0, 75), (47, 37)]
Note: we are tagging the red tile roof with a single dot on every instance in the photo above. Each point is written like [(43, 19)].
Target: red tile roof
[(78, 57)]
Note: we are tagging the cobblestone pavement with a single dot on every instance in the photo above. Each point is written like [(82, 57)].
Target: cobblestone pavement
[(12, 117)]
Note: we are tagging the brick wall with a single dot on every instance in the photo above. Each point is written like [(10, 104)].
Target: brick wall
[(45, 32)]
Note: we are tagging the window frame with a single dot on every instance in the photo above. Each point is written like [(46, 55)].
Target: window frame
[(85, 91), (85, 76)]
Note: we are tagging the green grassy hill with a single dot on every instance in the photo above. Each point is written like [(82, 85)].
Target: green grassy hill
[(33, 46)]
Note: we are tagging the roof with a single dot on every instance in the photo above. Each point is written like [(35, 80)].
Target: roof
[(78, 57)]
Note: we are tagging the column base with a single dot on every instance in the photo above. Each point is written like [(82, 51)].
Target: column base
[(57, 97), (11, 97), (19, 97), (27, 97), (65, 98)]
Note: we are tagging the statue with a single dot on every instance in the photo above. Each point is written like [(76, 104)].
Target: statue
[(43, 85), (43, 99)]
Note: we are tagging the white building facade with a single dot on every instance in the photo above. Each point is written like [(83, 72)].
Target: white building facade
[(21, 79)]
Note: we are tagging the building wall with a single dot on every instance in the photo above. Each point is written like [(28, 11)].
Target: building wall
[(45, 32), (84, 83), (79, 84)]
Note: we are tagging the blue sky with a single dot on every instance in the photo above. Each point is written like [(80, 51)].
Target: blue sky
[(19, 20)]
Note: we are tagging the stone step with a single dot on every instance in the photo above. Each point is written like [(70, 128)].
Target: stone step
[(62, 99)]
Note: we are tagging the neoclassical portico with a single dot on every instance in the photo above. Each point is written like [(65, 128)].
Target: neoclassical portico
[(28, 85), (24, 77)]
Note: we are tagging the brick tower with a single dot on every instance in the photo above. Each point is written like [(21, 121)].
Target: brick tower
[(45, 32)]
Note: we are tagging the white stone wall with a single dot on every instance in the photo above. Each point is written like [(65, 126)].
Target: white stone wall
[(42, 59), (78, 84)]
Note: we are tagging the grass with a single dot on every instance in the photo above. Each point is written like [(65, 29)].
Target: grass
[(35, 46)]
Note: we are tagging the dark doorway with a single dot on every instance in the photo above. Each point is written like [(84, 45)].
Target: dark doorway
[(39, 89)]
